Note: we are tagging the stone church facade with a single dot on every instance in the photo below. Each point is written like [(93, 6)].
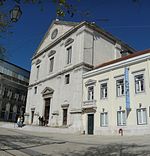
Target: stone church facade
[(67, 51)]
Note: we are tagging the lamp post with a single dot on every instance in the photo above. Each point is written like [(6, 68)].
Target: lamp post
[(15, 13)]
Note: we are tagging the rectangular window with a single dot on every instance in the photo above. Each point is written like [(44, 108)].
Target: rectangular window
[(35, 90), (67, 78), (141, 116), (139, 83), (120, 87), (104, 119), (121, 118), (69, 55), (37, 74), (51, 64), (103, 88), (91, 93)]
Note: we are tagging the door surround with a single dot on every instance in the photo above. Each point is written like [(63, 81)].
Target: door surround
[(47, 93), (65, 107)]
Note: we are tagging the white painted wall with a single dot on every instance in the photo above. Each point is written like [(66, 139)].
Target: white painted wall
[(112, 103), (99, 48)]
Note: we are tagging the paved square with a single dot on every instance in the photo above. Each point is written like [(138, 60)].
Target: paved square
[(20, 142)]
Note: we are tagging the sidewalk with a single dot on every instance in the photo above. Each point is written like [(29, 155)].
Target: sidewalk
[(37, 128), (64, 134), (61, 134), (37, 140)]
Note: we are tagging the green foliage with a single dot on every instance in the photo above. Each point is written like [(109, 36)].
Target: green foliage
[(2, 2), (63, 7), (4, 22)]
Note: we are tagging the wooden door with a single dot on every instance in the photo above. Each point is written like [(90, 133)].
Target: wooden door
[(32, 116), (47, 110), (64, 116), (90, 123)]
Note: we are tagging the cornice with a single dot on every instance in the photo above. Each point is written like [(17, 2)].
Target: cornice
[(82, 64), (72, 30)]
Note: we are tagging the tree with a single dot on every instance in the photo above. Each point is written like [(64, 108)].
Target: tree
[(63, 7), (4, 25)]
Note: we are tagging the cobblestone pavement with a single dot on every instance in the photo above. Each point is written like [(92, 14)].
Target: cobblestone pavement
[(16, 142)]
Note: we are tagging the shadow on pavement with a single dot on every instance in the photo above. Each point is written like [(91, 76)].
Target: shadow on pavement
[(25, 143), (112, 150)]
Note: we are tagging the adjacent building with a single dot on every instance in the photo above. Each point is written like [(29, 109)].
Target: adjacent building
[(13, 90), (67, 51), (116, 96)]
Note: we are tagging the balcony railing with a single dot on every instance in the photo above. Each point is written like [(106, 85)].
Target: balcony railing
[(89, 104)]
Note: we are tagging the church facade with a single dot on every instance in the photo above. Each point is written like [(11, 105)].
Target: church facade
[(67, 51)]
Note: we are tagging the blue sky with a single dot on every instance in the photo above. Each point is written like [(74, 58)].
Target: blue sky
[(128, 21)]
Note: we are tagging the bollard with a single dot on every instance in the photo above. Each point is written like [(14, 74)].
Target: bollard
[(121, 131)]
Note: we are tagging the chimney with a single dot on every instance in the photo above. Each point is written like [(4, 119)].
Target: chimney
[(124, 53)]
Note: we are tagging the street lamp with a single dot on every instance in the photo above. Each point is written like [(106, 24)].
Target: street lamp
[(15, 13)]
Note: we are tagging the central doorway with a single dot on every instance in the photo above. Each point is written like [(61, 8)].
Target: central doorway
[(90, 123), (47, 110)]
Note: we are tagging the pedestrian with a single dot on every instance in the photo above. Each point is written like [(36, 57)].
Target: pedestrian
[(42, 121), (19, 121)]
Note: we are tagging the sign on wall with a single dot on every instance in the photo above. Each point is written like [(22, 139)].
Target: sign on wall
[(127, 91)]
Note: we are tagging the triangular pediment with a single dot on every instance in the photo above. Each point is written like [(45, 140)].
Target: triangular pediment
[(56, 29), (47, 91)]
